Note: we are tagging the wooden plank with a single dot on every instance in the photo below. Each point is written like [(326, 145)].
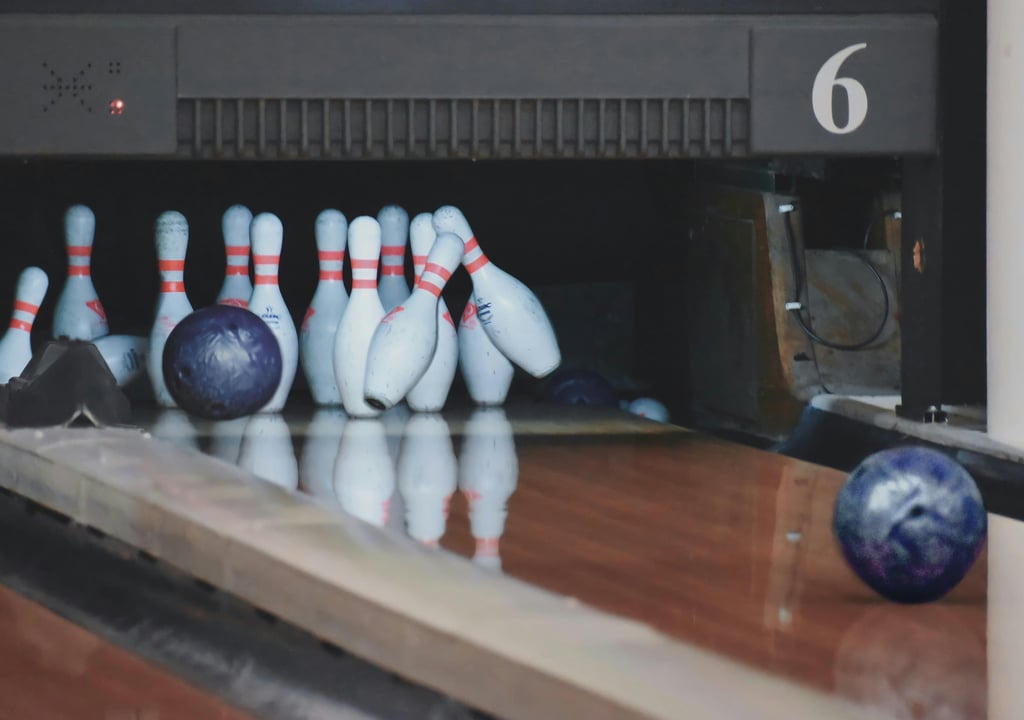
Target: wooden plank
[(488, 640)]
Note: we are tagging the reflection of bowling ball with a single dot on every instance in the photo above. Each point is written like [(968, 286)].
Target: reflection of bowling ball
[(579, 387), (222, 362), (910, 522)]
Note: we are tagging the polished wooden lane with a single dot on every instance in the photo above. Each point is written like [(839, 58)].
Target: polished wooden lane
[(51, 669), (725, 551)]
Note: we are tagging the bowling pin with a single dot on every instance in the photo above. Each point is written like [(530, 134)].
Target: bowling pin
[(510, 313), (364, 476), (237, 288), (431, 392), (488, 475), (172, 305), (16, 345), (267, 450), (427, 476), (361, 317), (125, 355), (267, 236), (403, 344), (394, 233), (316, 338), (79, 315), (649, 408), (488, 373), (319, 452)]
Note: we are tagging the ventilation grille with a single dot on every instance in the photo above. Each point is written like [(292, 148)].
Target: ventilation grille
[(432, 129)]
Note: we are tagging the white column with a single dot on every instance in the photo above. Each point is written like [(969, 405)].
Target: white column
[(1005, 623), (1005, 280)]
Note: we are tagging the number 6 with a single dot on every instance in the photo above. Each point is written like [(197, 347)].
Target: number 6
[(856, 95)]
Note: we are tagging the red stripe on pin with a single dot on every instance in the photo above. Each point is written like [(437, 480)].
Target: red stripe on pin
[(392, 270), (172, 287), (237, 270), (330, 274), (389, 250), (430, 288), (332, 255), (266, 280), (80, 251), (17, 324), (237, 251), (471, 245), (364, 284), (78, 271), (265, 259), (171, 265), (21, 306), (440, 270), (364, 264), (477, 264), (419, 259)]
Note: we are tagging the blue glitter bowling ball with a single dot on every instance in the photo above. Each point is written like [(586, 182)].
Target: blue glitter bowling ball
[(222, 362), (911, 523), (580, 387)]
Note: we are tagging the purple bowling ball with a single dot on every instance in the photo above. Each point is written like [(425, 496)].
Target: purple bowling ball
[(580, 387), (911, 523), (222, 362)]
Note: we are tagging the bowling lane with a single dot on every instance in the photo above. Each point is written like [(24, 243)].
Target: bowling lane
[(716, 544), (50, 668)]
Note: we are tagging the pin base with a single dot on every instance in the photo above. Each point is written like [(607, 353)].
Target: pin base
[(67, 382)]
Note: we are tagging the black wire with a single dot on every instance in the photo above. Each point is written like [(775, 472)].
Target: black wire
[(799, 281)]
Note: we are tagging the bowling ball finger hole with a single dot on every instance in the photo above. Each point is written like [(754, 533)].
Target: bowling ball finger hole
[(916, 511), (218, 408)]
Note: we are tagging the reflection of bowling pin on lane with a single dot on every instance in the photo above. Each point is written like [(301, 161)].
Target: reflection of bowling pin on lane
[(226, 438), (174, 426), (488, 474), (361, 317), (427, 476), (79, 315), (316, 338), (510, 313), (648, 408), (267, 450), (125, 355), (394, 420), (237, 288), (16, 345), (172, 304), (403, 344), (267, 236), (394, 233), (364, 476), (319, 453), (431, 392)]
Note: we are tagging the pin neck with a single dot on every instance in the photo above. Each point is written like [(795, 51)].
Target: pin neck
[(23, 323), (331, 263), (364, 274), (473, 257), (266, 269)]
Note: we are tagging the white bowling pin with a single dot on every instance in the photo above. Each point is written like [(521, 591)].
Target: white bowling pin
[(267, 450), (510, 313), (431, 392), (488, 475), (125, 355), (267, 236), (172, 305), (364, 476), (319, 453), (16, 345), (361, 317), (79, 315), (237, 288), (394, 233), (403, 344), (174, 426), (427, 476), (649, 408), (316, 338), (488, 373)]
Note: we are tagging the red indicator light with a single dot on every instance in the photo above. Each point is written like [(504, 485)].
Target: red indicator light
[(117, 107)]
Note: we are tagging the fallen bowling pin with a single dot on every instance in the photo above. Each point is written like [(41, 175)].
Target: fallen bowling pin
[(16, 345), (360, 319), (404, 342), (649, 408), (431, 391), (79, 315), (509, 312), (237, 287), (394, 234), (267, 236), (319, 326), (172, 304), (125, 355)]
